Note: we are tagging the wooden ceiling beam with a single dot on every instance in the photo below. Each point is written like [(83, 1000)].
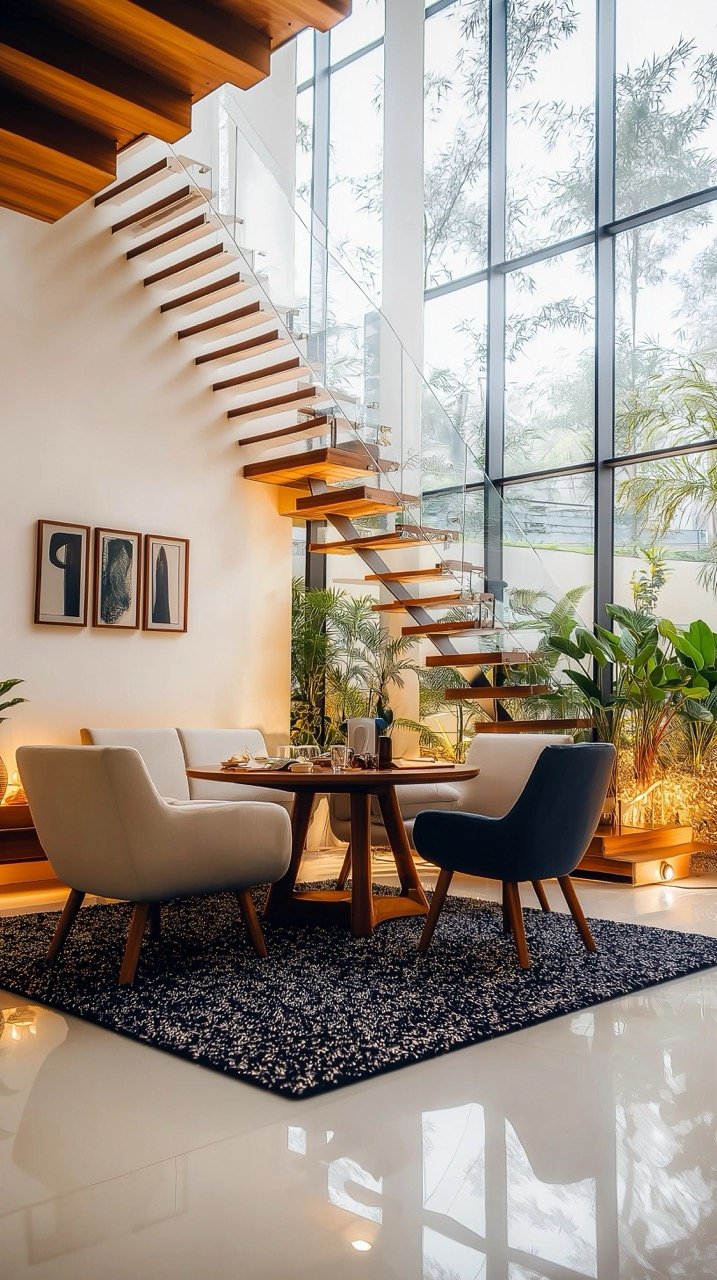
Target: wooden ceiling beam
[(89, 85), (33, 136), (196, 46)]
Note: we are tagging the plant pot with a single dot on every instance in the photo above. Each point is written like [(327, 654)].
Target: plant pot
[(3, 779)]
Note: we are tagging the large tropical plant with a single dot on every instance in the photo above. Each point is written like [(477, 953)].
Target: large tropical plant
[(697, 646), (651, 684)]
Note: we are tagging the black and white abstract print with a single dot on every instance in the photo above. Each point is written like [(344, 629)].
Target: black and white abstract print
[(117, 578), (325, 1009)]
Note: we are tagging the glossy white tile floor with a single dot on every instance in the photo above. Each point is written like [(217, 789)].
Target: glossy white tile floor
[(584, 1147)]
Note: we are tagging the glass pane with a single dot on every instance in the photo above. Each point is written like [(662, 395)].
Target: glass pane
[(355, 167), (304, 143), (549, 396), (455, 368), (665, 537), (304, 56), (456, 142), (666, 102), (364, 25), (551, 126), (666, 332), (556, 518)]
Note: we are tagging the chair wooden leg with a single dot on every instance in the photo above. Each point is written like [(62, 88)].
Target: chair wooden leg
[(345, 869), (506, 913), (138, 924), (251, 921), (540, 894), (155, 921), (576, 912), (439, 896), (65, 923), (515, 913)]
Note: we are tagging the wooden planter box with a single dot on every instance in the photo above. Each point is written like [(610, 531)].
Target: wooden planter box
[(18, 838)]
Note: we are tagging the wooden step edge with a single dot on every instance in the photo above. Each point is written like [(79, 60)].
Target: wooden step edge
[(529, 726), (297, 429), (442, 628), (310, 464), (276, 404), (372, 542), (408, 575), (197, 223), (498, 657), (334, 499), (671, 835), (496, 693), (235, 281), (422, 602), (244, 350), (119, 188), (149, 211), (206, 326), (248, 380), (176, 268)]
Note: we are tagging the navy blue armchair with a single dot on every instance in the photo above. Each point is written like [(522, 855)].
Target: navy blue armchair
[(542, 837)]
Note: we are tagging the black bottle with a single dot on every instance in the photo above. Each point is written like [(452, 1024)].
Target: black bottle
[(384, 751)]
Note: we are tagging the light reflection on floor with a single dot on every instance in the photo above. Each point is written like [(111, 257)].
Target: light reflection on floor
[(581, 1148)]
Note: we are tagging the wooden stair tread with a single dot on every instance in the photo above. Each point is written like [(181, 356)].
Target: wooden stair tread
[(446, 628), (424, 602), (261, 377), (496, 693), (178, 237), (320, 426), (355, 501), (409, 575), (157, 207), (246, 350), (490, 657), (137, 181), (371, 542), (186, 266), (291, 400), (250, 311), (327, 464), (208, 294), (529, 726)]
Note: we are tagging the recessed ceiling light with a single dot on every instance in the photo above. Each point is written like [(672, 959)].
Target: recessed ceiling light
[(361, 1246)]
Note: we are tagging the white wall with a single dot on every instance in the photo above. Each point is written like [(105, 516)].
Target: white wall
[(105, 419)]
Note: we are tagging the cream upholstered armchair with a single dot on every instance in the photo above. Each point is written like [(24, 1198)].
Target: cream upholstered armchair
[(107, 831)]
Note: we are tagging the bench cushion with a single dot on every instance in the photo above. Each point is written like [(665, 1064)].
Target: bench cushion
[(210, 747), (160, 749)]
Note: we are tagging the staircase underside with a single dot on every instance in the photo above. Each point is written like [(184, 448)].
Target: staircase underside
[(80, 79)]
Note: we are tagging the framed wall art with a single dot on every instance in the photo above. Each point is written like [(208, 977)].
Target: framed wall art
[(62, 573), (117, 579), (166, 583)]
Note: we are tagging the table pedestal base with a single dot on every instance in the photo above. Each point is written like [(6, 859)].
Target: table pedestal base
[(360, 909)]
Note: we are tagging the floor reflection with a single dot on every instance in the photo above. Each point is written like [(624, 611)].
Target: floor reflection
[(582, 1149)]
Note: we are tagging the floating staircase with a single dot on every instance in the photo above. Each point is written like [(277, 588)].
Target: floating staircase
[(299, 436)]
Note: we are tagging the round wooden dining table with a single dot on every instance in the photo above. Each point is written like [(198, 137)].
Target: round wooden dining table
[(357, 907)]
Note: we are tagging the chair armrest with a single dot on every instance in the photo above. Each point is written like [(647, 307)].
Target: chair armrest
[(206, 846)]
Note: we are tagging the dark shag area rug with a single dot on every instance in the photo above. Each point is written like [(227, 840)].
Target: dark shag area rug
[(326, 1009)]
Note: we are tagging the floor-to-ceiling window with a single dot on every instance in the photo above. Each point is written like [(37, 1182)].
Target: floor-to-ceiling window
[(570, 269)]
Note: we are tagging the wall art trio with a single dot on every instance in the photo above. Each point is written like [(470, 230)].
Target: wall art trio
[(136, 580)]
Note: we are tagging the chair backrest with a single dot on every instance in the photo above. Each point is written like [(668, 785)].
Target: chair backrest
[(553, 821), (93, 807), (505, 763), (210, 747), (160, 749)]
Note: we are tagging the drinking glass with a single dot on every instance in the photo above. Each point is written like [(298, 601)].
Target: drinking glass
[(284, 752), (305, 751), (340, 757)]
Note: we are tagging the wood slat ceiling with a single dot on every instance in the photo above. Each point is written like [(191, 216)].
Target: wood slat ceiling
[(80, 79)]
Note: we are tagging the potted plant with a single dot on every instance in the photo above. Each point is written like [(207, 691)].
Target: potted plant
[(5, 688)]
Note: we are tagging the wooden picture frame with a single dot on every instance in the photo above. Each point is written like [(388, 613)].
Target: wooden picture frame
[(117, 580), (166, 583), (62, 573)]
